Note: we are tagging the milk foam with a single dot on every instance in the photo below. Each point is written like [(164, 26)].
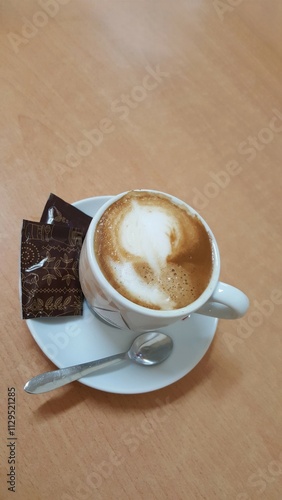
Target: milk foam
[(146, 232), (139, 288), (153, 251)]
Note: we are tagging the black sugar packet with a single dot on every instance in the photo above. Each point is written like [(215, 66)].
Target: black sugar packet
[(50, 251), (58, 211)]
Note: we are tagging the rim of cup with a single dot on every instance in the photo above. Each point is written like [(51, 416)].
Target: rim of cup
[(128, 304)]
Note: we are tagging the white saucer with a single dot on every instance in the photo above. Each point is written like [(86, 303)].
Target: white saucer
[(71, 340)]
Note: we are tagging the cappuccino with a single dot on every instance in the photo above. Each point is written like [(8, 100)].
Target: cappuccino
[(153, 251)]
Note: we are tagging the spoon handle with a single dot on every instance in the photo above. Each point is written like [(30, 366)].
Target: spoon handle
[(48, 381)]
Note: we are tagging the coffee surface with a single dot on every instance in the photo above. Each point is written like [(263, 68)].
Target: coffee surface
[(153, 251)]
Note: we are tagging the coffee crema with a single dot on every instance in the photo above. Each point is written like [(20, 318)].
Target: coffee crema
[(153, 251)]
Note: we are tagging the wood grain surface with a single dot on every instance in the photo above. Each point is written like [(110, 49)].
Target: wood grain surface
[(185, 97)]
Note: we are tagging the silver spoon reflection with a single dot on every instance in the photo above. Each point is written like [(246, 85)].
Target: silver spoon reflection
[(147, 349)]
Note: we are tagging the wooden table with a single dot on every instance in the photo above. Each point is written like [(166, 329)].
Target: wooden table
[(185, 97)]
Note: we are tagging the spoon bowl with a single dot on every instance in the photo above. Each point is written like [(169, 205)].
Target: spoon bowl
[(150, 348)]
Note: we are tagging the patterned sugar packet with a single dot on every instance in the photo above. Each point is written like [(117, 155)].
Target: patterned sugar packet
[(49, 270), (58, 211)]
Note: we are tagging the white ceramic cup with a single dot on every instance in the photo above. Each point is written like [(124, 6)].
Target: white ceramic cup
[(218, 299)]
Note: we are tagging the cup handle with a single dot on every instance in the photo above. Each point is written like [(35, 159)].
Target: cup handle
[(226, 302)]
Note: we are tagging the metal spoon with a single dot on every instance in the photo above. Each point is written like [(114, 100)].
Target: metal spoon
[(149, 348)]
